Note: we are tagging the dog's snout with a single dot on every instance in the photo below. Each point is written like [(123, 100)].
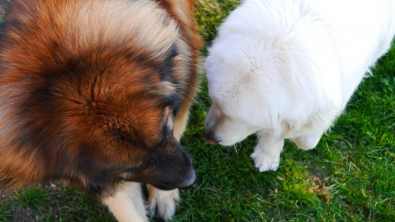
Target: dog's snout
[(186, 155), (191, 178), (210, 138)]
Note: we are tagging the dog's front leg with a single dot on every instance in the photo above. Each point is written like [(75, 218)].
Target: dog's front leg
[(127, 204), (162, 203), (308, 141), (267, 152)]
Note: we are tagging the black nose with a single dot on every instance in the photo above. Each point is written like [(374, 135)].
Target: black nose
[(192, 177), (209, 137)]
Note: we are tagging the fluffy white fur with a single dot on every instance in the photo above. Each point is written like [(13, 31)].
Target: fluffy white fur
[(127, 204), (286, 69)]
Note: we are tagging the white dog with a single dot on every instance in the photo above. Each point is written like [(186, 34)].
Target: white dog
[(285, 69)]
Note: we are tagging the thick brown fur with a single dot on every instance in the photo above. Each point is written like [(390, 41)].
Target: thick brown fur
[(87, 88)]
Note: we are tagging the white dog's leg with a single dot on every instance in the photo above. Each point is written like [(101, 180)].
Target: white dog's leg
[(267, 152), (127, 204), (163, 203), (307, 142)]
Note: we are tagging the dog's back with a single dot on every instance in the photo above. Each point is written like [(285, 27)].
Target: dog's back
[(297, 61), (363, 32)]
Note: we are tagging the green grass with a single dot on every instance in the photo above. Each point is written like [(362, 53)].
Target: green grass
[(350, 176), (210, 14)]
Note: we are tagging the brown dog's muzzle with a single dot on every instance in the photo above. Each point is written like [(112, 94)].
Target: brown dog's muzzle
[(168, 167)]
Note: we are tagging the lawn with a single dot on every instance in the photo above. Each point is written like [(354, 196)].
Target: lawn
[(350, 176)]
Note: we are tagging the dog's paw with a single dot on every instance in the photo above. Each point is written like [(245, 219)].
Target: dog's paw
[(162, 203), (264, 161)]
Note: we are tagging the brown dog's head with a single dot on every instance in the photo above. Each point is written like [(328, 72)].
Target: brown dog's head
[(90, 90)]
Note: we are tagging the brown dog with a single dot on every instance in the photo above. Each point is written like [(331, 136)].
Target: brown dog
[(97, 93)]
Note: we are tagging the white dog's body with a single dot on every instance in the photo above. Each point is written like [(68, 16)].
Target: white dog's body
[(286, 69)]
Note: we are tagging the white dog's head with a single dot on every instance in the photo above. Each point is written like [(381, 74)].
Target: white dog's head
[(268, 73)]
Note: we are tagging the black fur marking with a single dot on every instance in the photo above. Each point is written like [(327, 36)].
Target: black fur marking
[(166, 69), (173, 101)]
